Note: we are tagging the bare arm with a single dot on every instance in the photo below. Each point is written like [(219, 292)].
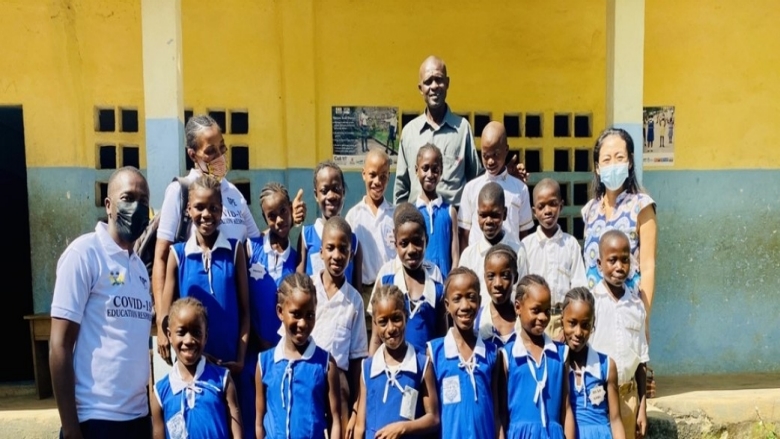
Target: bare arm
[(159, 273), (61, 342), (613, 399), (334, 399), (301, 255), (425, 423), (498, 388), (641, 382), (360, 423), (170, 290), (375, 342), (259, 403), (357, 268), (234, 413), (402, 185), (242, 289), (569, 424), (158, 417), (455, 242), (648, 228), (463, 239)]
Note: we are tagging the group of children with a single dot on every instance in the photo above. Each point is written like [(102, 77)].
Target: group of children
[(491, 341)]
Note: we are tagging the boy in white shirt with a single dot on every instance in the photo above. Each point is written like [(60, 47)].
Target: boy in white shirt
[(518, 220), (371, 220), (491, 213), (552, 253), (619, 331)]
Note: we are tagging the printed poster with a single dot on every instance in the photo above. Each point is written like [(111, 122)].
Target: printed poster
[(357, 130), (658, 136)]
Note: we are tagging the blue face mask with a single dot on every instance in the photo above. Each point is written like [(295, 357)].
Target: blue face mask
[(613, 176)]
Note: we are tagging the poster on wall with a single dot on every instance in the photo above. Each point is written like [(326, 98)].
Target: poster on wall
[(658, 135), (357, 130)]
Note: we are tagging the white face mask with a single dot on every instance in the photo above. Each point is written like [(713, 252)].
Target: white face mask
[(613, 176), (217, 168)]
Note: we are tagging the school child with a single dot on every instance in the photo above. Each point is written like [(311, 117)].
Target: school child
[(329, 191), (212, 268), (196, 399), (518, 221), (467, 368), (397, 390), (297, 381), (423, 294), (552, 253), (620, 332), (270, 258), (341, 328), (440, 218), (491, 213), (537, 381), (371, 220), (593, 389), (496, 319)]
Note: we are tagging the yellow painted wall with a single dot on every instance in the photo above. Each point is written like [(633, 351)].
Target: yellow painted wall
[(62, 58), (718, 64)]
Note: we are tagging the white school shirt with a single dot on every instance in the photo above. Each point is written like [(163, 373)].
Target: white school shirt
[(341, 323), (379, 364), (474, 258), (375, 234), (106, 291), (619, 331), (237, 221), (518, 212), (558, 260), (394, 266)]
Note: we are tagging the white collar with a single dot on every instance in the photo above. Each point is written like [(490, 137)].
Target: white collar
[(500, 177), (322, 293), (483, 245), (429, 290), (592, 365), (378, 364), (543, 238), (307, 354), (451, 349), (319, 225), (519, 350), (270, 250), (434, 203), (381, 208), (107, 242), (192, 247), (177, 383)]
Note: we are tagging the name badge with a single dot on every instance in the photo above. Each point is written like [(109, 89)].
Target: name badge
[(597, 395), (176, 428), (450, 389), (409, 403)]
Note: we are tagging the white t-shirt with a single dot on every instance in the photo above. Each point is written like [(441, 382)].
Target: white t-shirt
[(106, 291), (375, 234), (237, 221), (474, 258), (518, 213), (340, 325), (394, 266)]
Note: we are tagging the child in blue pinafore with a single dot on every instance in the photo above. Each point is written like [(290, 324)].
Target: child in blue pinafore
[(297, 382), (196, 399), (496, 319), (397, 383), (467, 368), (212, 269), (329, 191), (441, 220), (537, 382), (270, 258), (423, 294)]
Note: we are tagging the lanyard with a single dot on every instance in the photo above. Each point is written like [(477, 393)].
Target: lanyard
[(469, 367)]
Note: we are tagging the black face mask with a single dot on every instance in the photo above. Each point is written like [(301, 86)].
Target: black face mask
[(131, 220)]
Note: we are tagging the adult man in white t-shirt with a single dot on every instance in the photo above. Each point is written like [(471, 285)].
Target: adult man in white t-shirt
[(101, 316)]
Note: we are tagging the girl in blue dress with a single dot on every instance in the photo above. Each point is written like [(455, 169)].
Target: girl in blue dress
[(212, 269), (196, 399), (397, 387), (441, 219), (468, 369), (537, 379), (329, 191), (496, 319), (297, 382), (270, 258), (593, 388)]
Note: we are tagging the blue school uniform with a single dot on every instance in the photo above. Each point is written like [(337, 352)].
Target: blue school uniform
[(312, 241), (465, 388), (198, 408), (535, 391), (438, 223), (295, 393), (421, 325), (589, 400), (386, 391), (211, 279), (483, 327)]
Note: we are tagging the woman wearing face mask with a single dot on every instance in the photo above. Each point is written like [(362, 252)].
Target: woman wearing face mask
[(206, 148), (620, 203)]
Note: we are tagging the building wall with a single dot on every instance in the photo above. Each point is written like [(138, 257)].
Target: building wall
[(719, 250)]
